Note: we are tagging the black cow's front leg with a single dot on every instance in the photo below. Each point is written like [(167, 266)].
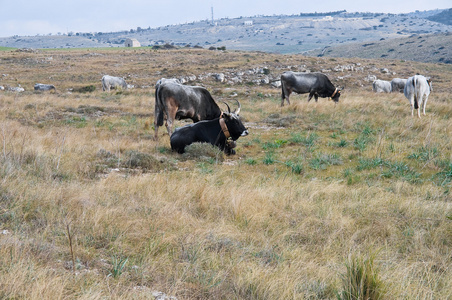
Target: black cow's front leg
[(229, 147)]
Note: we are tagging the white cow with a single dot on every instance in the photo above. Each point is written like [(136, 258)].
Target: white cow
[(381, 86), (109, 82), (416, 88), (398, 85)]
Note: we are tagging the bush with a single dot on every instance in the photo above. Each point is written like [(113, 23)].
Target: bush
[(204, 152), (85, 89)]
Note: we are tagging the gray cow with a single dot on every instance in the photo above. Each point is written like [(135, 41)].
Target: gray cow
[(398, 85), (109, 82), (44, 87), (316, 84), (175, 101)]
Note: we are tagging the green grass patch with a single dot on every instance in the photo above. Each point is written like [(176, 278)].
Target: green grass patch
[(7, 48)]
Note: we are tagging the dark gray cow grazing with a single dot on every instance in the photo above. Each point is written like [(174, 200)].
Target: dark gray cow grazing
[(398, 85), (222, 132), (44, 87), (175, 101), (316, 84), (416, 88), (381, 86), (111, 82)]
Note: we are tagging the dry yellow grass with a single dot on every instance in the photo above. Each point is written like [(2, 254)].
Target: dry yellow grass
[(311, 185)]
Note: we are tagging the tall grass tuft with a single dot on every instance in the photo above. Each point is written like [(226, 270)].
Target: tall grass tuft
[(117, 267), (361, 280)]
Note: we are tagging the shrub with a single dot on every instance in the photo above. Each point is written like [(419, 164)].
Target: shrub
[(85, 89), (269, 159), (324, 160), (297, 168), (204, 152)]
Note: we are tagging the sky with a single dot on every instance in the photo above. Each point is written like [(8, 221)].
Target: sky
[(32, 17)]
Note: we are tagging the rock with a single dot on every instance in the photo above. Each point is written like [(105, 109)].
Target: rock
[(219, 77), (276, 84), (265, 80)]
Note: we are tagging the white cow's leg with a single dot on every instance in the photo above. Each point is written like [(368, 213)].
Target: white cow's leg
[(412, 106), (425, 104)]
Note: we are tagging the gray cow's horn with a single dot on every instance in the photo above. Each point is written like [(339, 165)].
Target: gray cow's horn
[(229, 109), (238, 109)]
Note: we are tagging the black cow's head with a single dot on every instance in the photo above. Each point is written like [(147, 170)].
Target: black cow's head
[(336, 95), (234, 123)]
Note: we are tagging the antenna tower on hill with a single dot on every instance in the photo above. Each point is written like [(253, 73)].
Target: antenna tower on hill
[(213, 24)]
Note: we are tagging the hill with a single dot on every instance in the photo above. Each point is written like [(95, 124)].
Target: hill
[(444, 17), (278, 34), (419, 47)]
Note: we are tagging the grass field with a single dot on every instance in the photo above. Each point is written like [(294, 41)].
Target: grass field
[(321, 201), (6, 49)]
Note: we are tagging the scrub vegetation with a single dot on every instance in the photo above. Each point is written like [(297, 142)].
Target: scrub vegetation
[(321, 201)]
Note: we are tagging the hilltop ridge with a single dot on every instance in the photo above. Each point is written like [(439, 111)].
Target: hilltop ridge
[(285, 34)]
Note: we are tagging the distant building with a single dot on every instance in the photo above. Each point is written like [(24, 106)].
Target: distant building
[(248, 23), (132, 43)]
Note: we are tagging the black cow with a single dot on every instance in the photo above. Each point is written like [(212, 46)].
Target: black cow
[(316, 84), (221, 132), (175, 101)]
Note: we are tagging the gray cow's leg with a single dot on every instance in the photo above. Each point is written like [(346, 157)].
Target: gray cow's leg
[(169, 126), (285, 98)]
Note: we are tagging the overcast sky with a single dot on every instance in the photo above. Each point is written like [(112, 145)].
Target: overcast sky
[(28, 17)]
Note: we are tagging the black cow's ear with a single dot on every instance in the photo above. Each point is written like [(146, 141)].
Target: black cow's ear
[(227, 115)]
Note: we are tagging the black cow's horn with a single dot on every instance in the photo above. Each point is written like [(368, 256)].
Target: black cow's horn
[(229, 109), (238, 109)]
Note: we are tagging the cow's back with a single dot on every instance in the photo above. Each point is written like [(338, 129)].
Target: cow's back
[(300, 82), (191, 102)]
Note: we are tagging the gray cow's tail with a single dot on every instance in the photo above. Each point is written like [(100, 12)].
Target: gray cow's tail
[(158, 111), (283, 94)]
